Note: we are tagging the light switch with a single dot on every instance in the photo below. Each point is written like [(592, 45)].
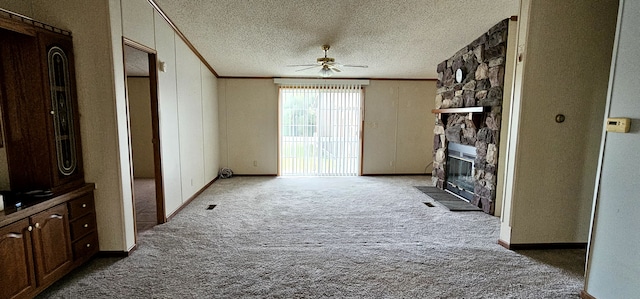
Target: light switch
[(618, 125)]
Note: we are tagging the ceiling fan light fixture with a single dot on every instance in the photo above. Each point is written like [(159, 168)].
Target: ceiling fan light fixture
[(327, 65), (325, 72)]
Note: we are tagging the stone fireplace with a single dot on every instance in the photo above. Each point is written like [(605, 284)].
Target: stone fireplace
[(469, 111)]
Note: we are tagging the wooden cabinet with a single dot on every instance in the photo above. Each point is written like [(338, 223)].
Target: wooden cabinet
[(16, 263), (40, 113), (44, 241), (84, 234), (51, 244), (63, 129), (34, 252)]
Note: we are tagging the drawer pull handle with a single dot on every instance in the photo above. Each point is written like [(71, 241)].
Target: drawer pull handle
[(86, 225), (37, 225), (84, 205), (30, 228), (88, 245)]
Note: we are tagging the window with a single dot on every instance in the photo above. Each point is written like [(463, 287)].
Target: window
[(320, 129)]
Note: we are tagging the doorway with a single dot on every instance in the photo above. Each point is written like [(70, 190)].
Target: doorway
[(320, 130), (144, 135)]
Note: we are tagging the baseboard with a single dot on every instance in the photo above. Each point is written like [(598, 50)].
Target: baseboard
[(504, 244), (368, 174), (396, 174), (188, 201), (122, 254), (585, 295), (542, 246)]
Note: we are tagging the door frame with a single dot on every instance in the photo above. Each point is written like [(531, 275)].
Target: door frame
[(155, 126)]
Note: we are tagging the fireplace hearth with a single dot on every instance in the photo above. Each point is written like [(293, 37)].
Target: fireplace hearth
[(460, 170)]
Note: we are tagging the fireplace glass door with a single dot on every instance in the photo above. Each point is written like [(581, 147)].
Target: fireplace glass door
[(460, 170)]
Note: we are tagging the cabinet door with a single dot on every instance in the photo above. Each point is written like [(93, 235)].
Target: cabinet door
[(25, 116), (16, 264), (59, 84), (51, 244)]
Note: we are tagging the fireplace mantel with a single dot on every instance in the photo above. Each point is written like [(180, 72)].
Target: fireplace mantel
[(475, 113), (462, 110)]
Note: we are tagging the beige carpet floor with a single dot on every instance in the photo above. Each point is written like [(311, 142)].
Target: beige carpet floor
[(337, 237)]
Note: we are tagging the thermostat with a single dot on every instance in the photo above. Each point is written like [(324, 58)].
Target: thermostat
[(618, 125)]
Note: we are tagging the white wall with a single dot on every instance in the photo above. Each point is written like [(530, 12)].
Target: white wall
[(168, 116), (509, 74), (510, 144), (398, 133), (613, 268), (553, 165), (141, 132), (189, 120), (123, 152), (138, 21), (187, 100), (398, 127), (18, 6), (210, 123), (248, 115)]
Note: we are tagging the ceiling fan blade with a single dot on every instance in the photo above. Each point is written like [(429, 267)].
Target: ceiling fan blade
[(297, 65), (336, 67), (308, 68), (351, 65)]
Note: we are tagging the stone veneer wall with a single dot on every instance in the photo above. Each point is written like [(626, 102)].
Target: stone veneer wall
[(483, 66)]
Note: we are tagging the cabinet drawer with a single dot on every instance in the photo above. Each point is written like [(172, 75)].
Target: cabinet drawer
[(81, 206), (86, 246), (83, 225)]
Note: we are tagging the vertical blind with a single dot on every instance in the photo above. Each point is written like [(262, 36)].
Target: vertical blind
[(320, 129)]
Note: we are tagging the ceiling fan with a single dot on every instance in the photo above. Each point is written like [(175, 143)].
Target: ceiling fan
[(327, 65)]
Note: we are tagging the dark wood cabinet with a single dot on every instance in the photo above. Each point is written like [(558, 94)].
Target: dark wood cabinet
[(44, 241), (16, 270), (34, 252), (51, 244), (40, 113), (84, 233)]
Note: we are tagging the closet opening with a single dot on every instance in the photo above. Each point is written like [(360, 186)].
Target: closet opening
[(144, 136)]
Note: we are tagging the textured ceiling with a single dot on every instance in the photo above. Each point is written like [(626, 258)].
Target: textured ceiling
[(396, 39)]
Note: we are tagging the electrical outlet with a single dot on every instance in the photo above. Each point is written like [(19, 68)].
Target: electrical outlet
[(255, 163), (191, 182)]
